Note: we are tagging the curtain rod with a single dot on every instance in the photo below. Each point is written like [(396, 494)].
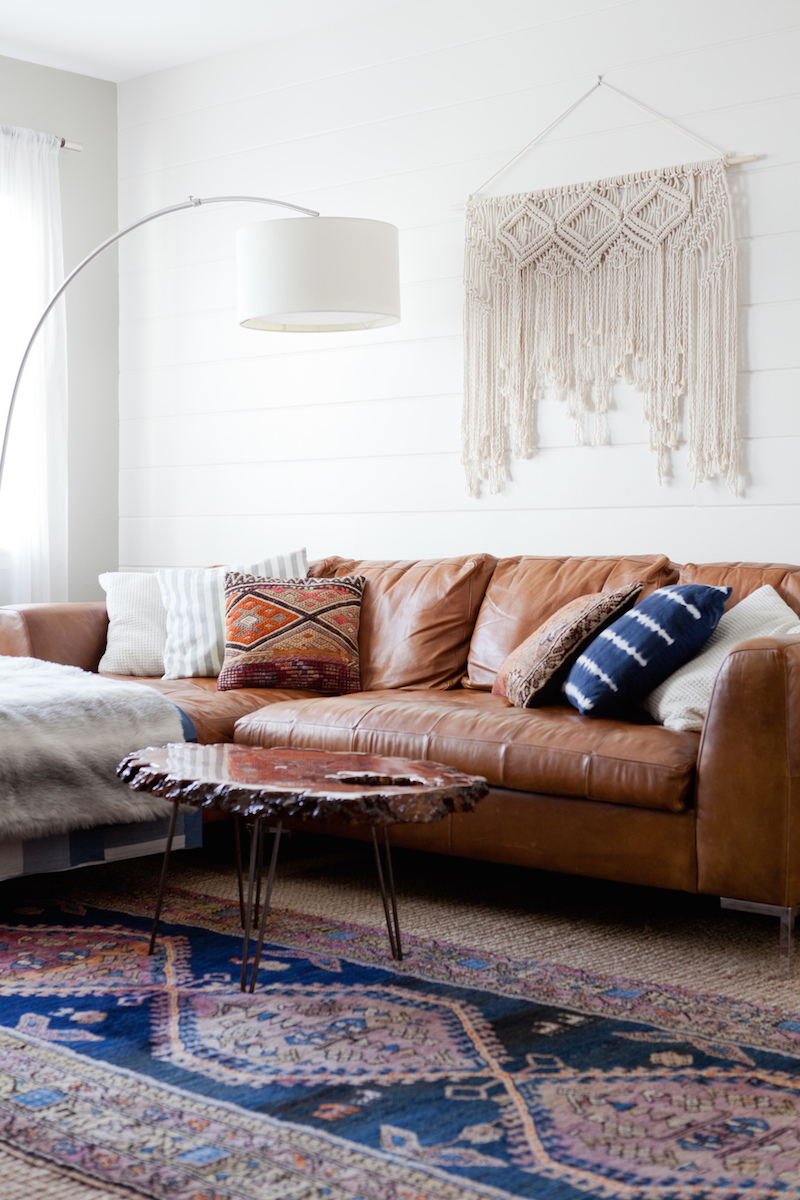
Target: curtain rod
[(66, 145)]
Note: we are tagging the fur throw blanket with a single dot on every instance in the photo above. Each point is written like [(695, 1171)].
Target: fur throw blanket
[(62, 733)]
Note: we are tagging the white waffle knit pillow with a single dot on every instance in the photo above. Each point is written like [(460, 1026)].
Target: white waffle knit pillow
[(137, 624), (681, 702), (194, 598)]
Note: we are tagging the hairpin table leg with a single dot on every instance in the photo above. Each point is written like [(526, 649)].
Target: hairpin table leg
[(163, 882), (237, 837), (392, 923), (392, 894), (260, 872), (267, 897), (255, 840)]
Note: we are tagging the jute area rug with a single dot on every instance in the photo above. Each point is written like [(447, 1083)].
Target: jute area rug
[(661, 936), (546, 1037)]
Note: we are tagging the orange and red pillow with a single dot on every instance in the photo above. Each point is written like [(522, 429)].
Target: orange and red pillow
[(292, 633)]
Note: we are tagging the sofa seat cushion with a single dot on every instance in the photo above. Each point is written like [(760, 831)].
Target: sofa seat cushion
[(214, 713), (552, 750)]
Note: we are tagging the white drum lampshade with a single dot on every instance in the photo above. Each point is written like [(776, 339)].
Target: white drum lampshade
[(318, 274)]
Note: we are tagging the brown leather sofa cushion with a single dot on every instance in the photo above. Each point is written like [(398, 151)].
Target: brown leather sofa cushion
[(416, 617), (525, 591), (552, 750), (214, 713), (745, 577)]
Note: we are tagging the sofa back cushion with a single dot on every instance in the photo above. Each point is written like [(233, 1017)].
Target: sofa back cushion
[(525, 591), (416, 617), (745, 578)]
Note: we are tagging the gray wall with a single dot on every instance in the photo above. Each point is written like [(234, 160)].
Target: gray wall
[(83, 110)]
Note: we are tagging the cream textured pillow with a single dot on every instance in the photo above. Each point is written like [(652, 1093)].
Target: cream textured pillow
[(137, 624), (194, 598), (681, 702)]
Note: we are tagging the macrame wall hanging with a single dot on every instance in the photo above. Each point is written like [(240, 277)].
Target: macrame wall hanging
[(569, 289)]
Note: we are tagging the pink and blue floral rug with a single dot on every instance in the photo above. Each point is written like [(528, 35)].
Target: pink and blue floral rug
[(454, 1076)]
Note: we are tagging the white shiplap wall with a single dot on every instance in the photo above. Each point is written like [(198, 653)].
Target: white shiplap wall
[(235, 442)]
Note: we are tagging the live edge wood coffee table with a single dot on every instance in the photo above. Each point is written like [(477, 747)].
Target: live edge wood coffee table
[(270, 785)]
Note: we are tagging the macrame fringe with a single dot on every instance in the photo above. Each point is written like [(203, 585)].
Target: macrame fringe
[(570, 289)]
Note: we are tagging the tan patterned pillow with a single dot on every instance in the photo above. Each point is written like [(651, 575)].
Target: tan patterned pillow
[(528, 675)]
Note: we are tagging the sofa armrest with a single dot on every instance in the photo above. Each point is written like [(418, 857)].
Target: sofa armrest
[(74, 634), (748, 776)]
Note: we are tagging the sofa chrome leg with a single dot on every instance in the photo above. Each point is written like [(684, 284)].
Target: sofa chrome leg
[(785, 913), (787, 939)]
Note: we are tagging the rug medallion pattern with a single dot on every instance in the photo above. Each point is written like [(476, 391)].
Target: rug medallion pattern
[(453, 1076)]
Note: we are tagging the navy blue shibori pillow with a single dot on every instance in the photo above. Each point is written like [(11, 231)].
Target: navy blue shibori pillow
[(639, 651)]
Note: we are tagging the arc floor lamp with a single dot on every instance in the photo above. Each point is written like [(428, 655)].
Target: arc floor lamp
[(316, 275)]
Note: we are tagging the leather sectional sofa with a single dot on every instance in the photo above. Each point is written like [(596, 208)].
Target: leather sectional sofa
[(715, 813)]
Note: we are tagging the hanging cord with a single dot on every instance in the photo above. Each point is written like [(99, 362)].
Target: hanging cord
[(729, 160), (538, 138), (666, 121)]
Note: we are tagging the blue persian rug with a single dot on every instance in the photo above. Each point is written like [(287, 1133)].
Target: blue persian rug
[(454, 1076)]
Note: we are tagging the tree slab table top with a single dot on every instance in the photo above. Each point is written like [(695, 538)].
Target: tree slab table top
[(250, 781)]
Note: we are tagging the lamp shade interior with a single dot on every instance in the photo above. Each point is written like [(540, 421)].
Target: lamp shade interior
[(318, 274)]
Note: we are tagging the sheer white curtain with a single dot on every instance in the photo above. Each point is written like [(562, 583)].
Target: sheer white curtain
[(33, 496)]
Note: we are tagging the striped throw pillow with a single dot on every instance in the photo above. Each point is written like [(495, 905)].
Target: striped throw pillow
[(639, 651), (194, 599)]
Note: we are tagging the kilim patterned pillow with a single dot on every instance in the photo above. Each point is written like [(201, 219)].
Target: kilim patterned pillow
[(292, 633), (529, 673)]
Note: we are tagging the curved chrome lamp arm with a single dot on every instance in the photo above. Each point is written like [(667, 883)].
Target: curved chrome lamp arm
[(192, 202)]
